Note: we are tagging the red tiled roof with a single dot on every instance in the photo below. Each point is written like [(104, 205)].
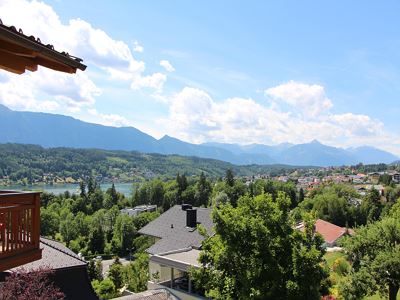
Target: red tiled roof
[(330, 232)]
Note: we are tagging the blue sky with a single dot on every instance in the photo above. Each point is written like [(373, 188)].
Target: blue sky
[(232, 71)]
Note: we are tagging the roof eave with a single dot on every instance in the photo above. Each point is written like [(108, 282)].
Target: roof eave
[(21, 40)]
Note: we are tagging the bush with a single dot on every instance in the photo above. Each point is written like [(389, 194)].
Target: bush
[(341, 266), (36, 284), (105, 289)]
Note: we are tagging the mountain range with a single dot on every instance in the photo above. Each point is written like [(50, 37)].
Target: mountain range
[(52, 130)]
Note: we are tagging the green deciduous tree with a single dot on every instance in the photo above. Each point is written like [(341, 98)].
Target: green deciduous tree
[(371, 207), (301, 195), (229, 177), (256, 254), (124, 234), (95, 270), (115, 273), (385, 179), (137, 273), (49, 222), (375, 253), (203, 191), (68, 228), (96, 240)]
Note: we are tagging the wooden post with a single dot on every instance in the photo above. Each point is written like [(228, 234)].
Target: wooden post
[(36, 221)]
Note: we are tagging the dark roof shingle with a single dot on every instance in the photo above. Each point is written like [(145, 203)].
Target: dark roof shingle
[(55, 256), (171, 228)]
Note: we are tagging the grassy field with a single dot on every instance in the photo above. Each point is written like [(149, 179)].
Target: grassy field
[(330, 257)]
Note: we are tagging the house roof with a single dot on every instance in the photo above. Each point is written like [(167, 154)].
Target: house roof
[(55, 256), (330, 232), (171, 228), (70, 271), (181, 259), (20, 52)]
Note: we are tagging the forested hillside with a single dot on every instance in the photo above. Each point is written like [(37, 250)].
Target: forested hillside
[(31, 163)]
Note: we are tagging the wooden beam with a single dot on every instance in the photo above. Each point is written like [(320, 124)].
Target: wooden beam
[(22, 45), (18, 64), (20, 259), (54, 65), (15, 63), (16, 49)]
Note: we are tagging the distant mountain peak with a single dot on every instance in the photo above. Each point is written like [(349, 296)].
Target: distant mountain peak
[(168, 138), (315, 141), (51, 130), (4, 108)]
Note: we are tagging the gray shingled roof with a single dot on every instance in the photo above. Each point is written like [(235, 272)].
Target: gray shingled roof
[(70, 271), (179, 236), (55, 256)]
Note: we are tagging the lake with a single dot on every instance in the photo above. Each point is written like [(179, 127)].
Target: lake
[(124, 188)]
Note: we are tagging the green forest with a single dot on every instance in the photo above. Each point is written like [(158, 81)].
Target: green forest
[(91, 223), (254, 223), (27, 164)]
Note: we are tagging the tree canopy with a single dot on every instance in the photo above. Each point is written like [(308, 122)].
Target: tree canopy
[(375, 254), (256, 253)]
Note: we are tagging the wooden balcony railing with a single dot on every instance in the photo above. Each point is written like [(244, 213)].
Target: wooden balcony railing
[(19, 228)]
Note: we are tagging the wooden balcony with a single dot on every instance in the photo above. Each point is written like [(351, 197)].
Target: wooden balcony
[(19, 228)]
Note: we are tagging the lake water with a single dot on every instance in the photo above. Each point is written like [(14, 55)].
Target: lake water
[(125, 188)]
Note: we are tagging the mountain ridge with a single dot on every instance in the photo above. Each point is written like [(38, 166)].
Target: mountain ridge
[(55, 130)]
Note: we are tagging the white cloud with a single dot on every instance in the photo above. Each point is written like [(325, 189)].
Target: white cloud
[(196, 117), (167, 65), (358, 125), (108, 119), (100, 52), (311, 100), (44, 90), (155, 81), (137, 48)]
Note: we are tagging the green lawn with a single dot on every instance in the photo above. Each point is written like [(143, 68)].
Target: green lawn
[(330, 257)]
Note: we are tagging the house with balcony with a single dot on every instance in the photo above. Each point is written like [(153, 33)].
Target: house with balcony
[(176, 249), (20, 211)]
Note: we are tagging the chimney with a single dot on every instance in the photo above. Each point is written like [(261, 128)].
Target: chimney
[(186, 206), (191, 218)]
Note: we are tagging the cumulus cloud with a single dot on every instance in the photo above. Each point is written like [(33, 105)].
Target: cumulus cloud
[(44, 91), (311, 100), (196, 117), (108, 119), (358, 125), (137, 48), (155, 81), (167, 65), (78, 37)]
